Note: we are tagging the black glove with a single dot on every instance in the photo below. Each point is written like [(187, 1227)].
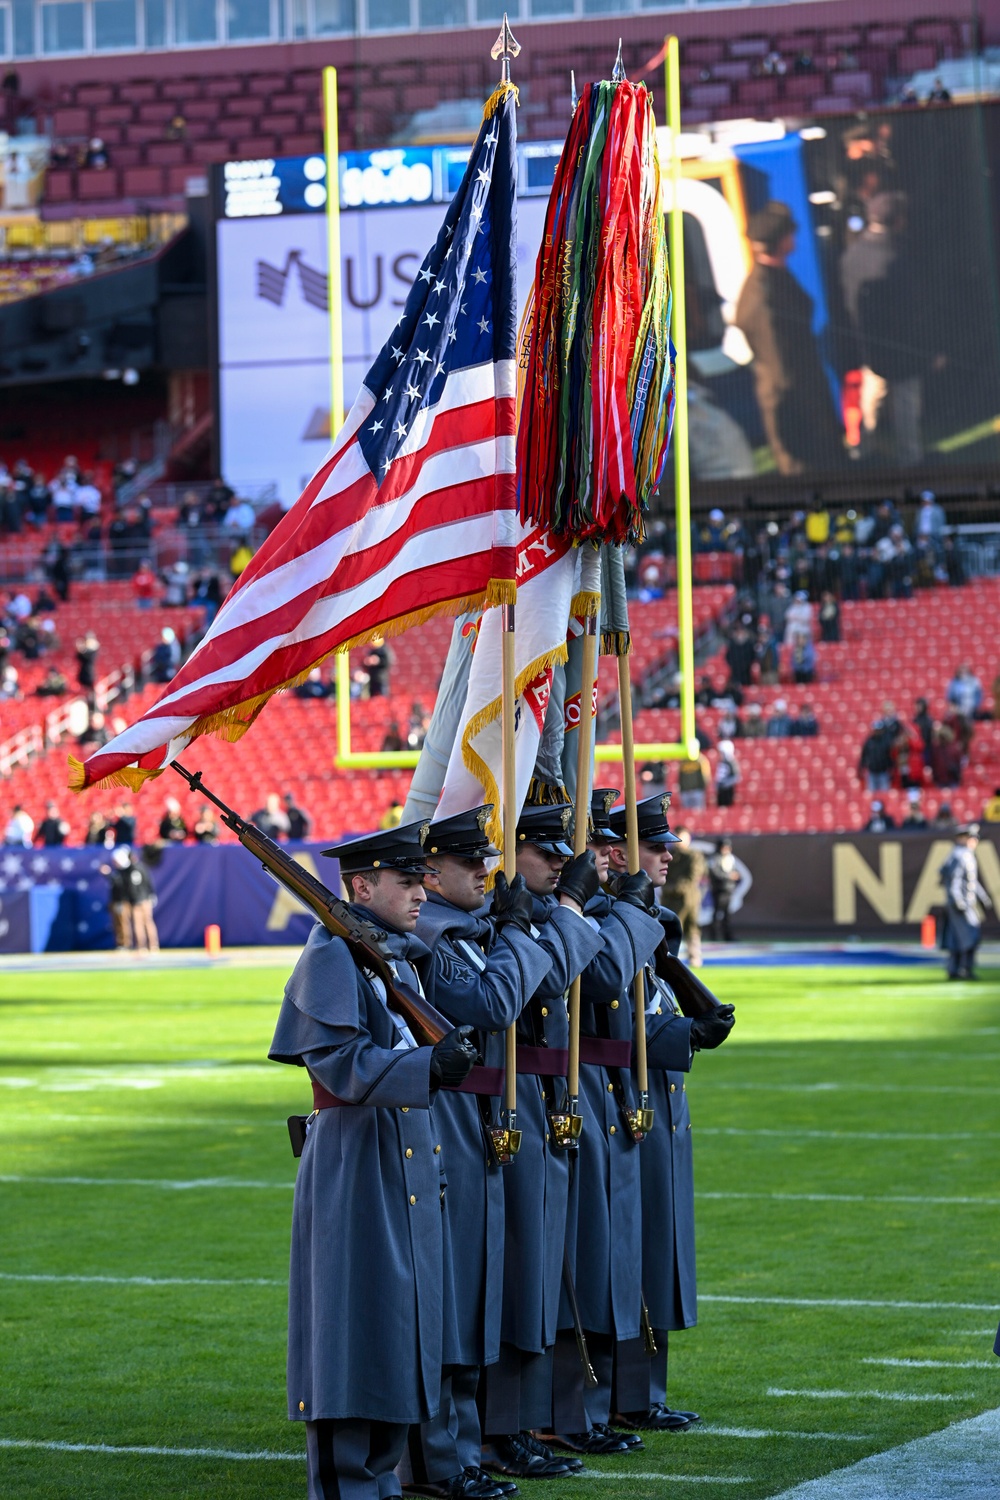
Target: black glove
[(512, 904), (579, 879), (712, 1029), (638, 890), (454, 1057)]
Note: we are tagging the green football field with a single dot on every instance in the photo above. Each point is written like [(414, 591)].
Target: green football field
[(848, 1140)]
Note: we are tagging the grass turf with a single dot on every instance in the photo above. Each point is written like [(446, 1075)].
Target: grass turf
[(845, 1100)]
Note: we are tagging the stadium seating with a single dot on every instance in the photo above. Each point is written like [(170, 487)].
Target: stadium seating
[(261, 105)]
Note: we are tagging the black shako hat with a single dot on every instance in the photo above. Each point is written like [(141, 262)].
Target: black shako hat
[(652, 818), (599, 830), (546, 827), (390, 849), (464, 835)]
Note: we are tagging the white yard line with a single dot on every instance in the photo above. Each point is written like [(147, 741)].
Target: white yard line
[(853, 1198), (987, 1307), (855, 1135), (961, 1462), (776, 1390), (936, 1364), (145, 1280), (776, 1432), (181, 1185)]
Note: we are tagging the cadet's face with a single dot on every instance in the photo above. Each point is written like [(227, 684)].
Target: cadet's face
[(396, 899), (652, 858), (602, 858), (540, 870), (460, 881)]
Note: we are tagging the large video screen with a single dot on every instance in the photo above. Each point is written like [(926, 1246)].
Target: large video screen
[(274, 329), (843, 289)]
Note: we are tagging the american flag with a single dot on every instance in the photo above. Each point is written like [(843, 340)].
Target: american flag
[(413, 512)]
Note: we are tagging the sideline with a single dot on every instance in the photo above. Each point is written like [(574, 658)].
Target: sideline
[(961, 1462)]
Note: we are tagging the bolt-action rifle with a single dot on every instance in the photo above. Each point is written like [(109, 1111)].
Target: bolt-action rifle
[(366, 941)]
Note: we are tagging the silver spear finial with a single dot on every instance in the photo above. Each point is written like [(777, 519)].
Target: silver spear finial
[(504, 48), (574, 97), (618, 71)]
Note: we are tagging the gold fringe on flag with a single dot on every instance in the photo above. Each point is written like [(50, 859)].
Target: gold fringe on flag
[(499, 94)]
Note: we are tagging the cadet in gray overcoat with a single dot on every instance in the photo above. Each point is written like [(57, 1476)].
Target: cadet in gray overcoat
[(366, 1287), (481, 971), (516, 1393), (965, 897), (666, 1159)]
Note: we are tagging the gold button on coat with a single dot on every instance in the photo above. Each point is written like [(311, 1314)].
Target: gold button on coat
[(545, 1010), (673, 1088), (611, 1088), (613, 1131), (413, 1196), (614, 1005), (437, 1150), (674, 1129), (302, 1406), (684, 1088), (409, 1152), (404, 1109)]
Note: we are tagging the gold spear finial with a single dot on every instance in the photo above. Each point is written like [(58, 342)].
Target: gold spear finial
[(504, 48)]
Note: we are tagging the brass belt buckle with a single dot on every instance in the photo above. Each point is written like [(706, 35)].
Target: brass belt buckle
[(638, 1122), (505, 1139), (565, 1129)]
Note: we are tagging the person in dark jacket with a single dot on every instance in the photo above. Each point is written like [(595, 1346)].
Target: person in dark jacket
[(775, 315), (481, 971), (367, 1297)]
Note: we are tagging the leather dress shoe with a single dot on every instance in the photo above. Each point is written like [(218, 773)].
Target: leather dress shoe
[(513, 1456), (464, 1486), (656, 1419), (592, 1443), (632, 1441), (688, 1416), (505, 1486), (532, 1441)]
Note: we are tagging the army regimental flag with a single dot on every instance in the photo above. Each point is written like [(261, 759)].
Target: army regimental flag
[(412, 514)]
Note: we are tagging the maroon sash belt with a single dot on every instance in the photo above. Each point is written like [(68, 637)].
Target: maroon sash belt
[(479, 1081), (605, 1053), (547, 1062)]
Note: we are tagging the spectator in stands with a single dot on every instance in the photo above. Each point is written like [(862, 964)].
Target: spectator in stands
[(710, 535), (817, 524), (928, 527), (879, 821), (946, 756), (53, 685), (965, 693), (206, 829), (798, 617), (299, 823), (217, 500), (97, 827), (177, 584), (239, 516), (38, 498), (88, 497), (87, 648), (779, 725), (923, 724), (144, 585), (53, 831), (173, 829), (908, 96), (730, 725), (416, 730), (124, 824), (913, 820), (875, 761), (393, 815), (740, 655), (991, 811), (765, 650), (829, 617), (694, 779), (272, 818), (377, 662), (392, 740), (944, 817), (95, 734), (10, 685), (939, 94), (723, 878), (776, 316), (313, 687), (727, 774), (96, 155), (803, 659), (55, 560), (19, 607), (177, 128), (681, 891), (64, 499), (166, 656), (907, 758), (20, 830), (754, 725), (805, 726)]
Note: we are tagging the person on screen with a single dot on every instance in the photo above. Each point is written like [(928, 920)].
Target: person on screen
[(775, 315), (892, 319)]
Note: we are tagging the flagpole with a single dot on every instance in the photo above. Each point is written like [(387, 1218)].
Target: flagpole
[(682, 458), (632, 836), (590, 571), (504, 48), (331, 145)]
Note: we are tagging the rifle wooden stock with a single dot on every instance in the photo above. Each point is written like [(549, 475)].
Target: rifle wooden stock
[(365, 940), (693, 997)]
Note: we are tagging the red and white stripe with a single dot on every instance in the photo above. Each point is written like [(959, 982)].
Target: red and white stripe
[(352, 558)]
